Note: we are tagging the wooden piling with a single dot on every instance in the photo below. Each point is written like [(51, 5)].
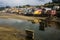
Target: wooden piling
[(42, 25), (30, 35)]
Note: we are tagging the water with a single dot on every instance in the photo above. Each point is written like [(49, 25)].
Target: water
[(50, 33)]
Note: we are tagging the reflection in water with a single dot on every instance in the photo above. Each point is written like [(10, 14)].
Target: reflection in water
[(58, 25), (54, 24), (50, 33)]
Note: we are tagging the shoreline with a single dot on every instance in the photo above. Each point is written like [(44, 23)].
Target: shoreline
[(8, 15)]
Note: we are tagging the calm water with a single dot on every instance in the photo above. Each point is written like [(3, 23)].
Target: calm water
[(50, 33)]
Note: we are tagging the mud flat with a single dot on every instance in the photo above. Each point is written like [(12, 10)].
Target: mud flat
[(9, 33)]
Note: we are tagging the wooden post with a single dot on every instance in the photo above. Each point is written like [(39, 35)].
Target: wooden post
[(30, 35), (45, 23), (41, 26)]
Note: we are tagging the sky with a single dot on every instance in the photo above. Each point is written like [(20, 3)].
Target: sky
[(22, 2)]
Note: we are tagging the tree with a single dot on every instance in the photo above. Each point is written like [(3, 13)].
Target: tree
[(2, 8), (8, 7), (27, 5), (56, 1)]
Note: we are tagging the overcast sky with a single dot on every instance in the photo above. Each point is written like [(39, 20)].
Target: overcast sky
[(22, 2)]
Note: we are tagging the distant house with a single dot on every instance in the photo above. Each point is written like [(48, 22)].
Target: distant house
[(56, 7), (48, 9)]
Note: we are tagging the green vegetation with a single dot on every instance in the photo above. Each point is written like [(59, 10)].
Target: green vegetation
[(2, 8), (7, 7), (51, 4), (56, 1)]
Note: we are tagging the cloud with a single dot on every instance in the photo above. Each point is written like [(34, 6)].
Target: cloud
[(22, 2)]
